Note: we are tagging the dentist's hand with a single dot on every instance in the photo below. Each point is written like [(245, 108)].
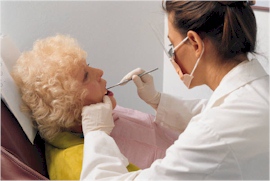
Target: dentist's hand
[(98, 117), (145, 87)]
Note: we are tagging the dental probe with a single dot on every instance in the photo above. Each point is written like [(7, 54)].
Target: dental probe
[(140, 75)]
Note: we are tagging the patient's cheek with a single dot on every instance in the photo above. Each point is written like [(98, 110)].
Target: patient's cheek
[(113, 101)]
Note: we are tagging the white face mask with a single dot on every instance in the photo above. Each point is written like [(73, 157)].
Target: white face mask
[(186, 78)]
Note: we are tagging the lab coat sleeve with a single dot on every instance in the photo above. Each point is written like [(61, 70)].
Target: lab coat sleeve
[(103, 159), (175, 113), (197, 154)]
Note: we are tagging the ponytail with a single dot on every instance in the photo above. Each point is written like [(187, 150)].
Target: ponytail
[(231, 25)]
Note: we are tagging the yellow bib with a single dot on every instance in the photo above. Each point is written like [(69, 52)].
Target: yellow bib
[(64, 157)]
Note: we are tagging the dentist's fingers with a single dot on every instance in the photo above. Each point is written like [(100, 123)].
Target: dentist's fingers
[(146, 89), (98, 117), (137, 80), (140, 81), (147, 78)]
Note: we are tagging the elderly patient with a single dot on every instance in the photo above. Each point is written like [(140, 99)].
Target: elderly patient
[(55, 83)]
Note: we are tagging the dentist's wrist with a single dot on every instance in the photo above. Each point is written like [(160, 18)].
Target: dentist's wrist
[(155, 101)]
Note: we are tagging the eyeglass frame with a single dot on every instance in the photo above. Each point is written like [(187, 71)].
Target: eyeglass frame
[(171, 52), (172, 49)]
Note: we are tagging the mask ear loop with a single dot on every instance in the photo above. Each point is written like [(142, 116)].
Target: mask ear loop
[(197, 61), (183, 41)]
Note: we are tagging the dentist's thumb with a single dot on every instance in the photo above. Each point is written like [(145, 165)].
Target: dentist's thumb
[(98, 117), (146, 89), (107, 101)]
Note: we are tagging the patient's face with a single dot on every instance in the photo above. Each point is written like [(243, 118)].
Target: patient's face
[(91, 80)]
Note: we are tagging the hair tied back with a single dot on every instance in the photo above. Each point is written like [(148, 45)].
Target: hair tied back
[(231, 3)]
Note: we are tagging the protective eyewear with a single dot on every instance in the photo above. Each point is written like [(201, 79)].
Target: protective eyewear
[(169, 51)]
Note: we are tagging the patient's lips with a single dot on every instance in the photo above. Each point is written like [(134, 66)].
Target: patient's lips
[(109, 93)]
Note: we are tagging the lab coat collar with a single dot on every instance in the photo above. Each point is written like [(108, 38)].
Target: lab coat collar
[(240, 75)]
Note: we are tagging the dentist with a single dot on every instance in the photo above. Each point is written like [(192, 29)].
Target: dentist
[(225, 137)]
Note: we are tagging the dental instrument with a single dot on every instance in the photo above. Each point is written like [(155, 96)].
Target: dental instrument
[(140, 75)]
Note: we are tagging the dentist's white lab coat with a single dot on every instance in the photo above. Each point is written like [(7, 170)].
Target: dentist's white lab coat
[(226, 137)]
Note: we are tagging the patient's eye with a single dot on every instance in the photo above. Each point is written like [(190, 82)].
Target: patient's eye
[(85, 76)]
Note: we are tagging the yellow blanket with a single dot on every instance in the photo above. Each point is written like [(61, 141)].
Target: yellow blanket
[(64, 157)]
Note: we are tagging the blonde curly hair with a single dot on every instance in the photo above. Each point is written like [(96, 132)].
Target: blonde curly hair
[(45, 77)]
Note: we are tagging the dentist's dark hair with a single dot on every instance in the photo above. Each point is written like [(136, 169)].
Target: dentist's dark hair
[(231, 25)]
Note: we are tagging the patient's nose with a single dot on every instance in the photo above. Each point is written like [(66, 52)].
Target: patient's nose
[(99, 72)]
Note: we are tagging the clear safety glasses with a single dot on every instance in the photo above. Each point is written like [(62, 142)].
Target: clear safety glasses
[(169, 50), (186, 78)]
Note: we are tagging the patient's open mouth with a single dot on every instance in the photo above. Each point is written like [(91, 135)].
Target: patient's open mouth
[(109, 93)]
